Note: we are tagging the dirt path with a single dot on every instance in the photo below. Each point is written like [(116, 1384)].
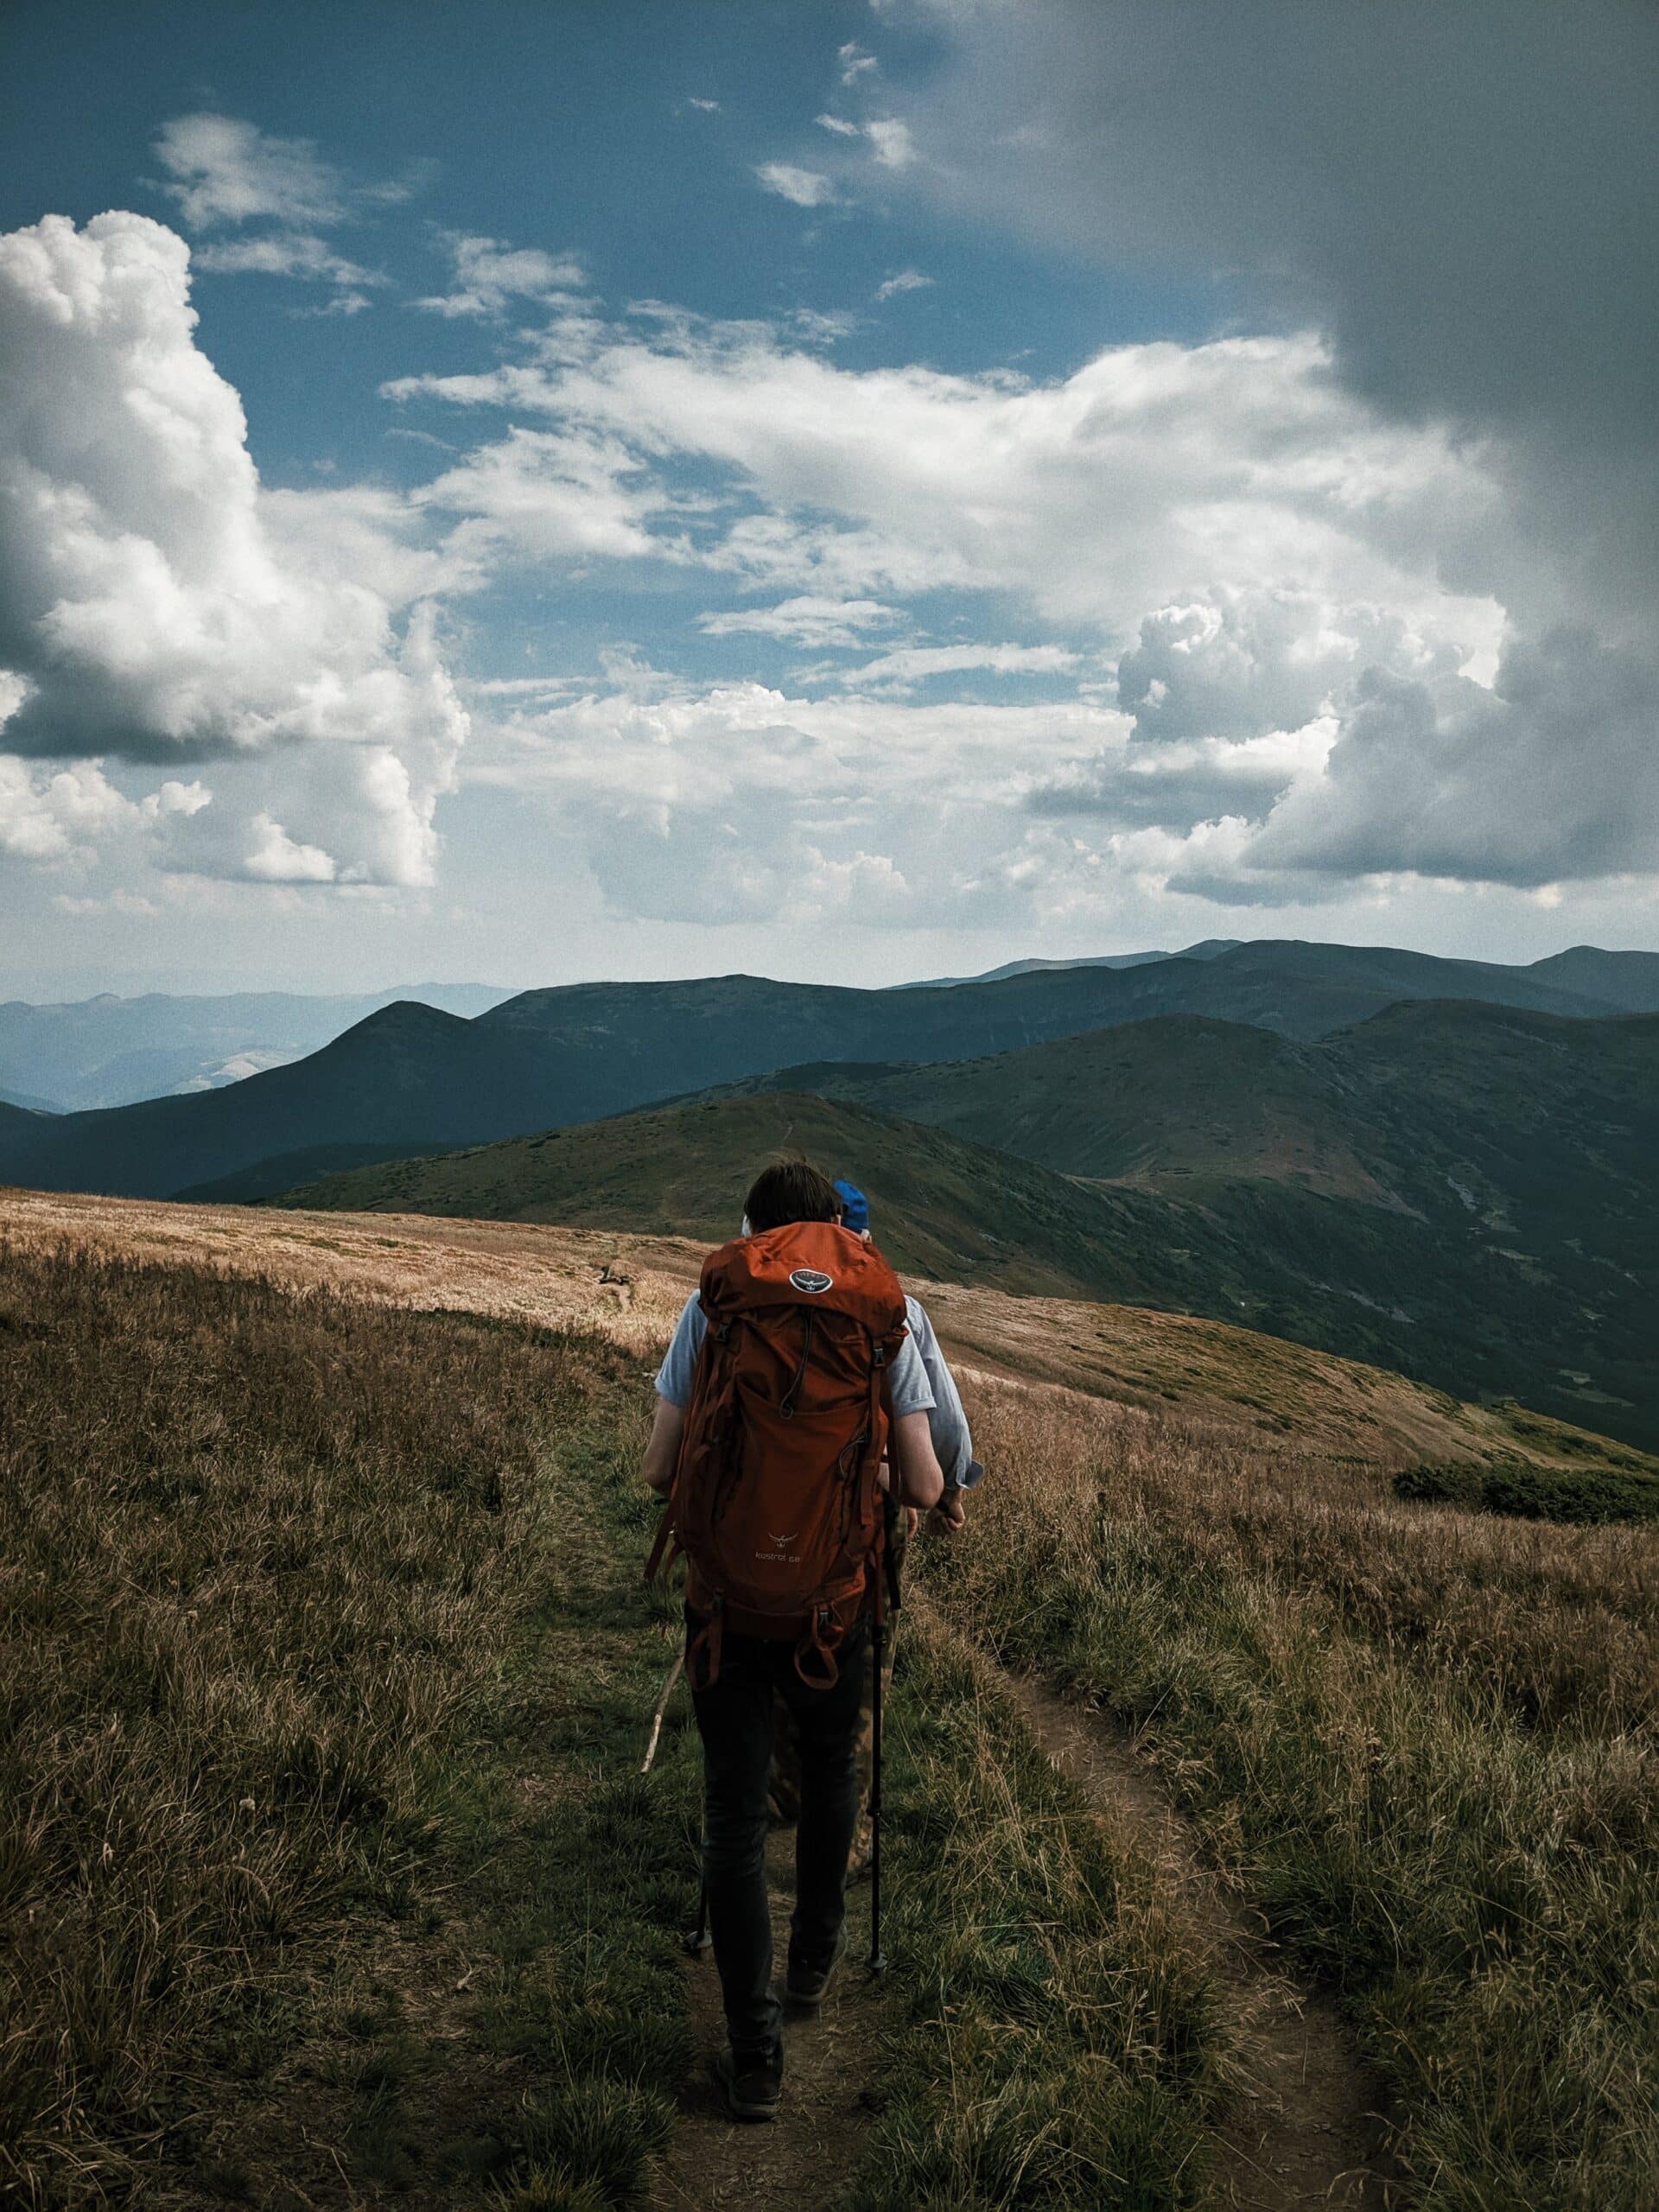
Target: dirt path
[(803, 2156), (1308, 2131)]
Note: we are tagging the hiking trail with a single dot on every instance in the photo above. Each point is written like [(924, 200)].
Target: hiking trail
[(805, 2156), (1308, 2131)]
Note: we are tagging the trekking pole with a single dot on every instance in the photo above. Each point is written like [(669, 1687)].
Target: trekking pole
[(878, 1963)]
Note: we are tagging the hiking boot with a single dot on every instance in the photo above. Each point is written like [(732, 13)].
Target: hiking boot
[(805, 1987), (751, 2082)]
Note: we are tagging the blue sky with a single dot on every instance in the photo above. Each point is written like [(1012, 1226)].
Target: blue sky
[(533, 492)]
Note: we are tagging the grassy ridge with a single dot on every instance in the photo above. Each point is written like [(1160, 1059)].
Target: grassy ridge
[(1422, 1740), (327, 1876), (295, 1897)]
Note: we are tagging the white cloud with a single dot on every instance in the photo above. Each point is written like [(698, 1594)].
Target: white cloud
[(901, 281), (1152, 473), (738, 802), (839, 126), (1551, 774), (707, 107), (225, 173), (911, 664), (818, 623), (273, 856), (284, 253), (157, 605), (894, 147), (489, 274), (805, 187), (225, 170), (854, 62)]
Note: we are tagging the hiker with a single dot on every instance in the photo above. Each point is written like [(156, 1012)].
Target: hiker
[(954, 1448), (797, 1316)]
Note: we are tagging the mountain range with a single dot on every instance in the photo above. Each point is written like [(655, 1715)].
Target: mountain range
[(1464, 1192), (112, 1051), (410, 1077)]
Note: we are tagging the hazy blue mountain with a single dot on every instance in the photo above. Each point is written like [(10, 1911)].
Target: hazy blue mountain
[(410, 1078), (112, 1051), (1628, 981)]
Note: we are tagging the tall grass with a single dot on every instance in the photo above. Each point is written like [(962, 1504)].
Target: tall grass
[(1422, 1740), (264, 1558)]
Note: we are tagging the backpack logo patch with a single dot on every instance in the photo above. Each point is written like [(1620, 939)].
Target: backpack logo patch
[(812, 1280)]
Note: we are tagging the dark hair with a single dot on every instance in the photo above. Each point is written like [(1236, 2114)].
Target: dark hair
[(790, 1189)]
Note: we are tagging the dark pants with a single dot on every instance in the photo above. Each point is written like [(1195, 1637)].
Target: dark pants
[(735, 1721)]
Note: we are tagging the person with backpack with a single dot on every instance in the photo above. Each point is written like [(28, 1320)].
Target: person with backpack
[(790, 1378), (953, 1446)]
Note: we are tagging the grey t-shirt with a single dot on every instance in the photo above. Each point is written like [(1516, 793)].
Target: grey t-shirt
[(920, 1382), (910, 1390), (947, 1423)]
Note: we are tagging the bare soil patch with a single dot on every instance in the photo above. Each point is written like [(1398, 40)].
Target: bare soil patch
[(808, 2153)]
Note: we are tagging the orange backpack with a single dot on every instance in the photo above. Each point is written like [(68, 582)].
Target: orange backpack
[(776, 1501)]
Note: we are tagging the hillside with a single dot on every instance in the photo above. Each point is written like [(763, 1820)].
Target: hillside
[(946, 1208), (340, 1669), (408, 1078), (1463, 1193), (107, 1051)]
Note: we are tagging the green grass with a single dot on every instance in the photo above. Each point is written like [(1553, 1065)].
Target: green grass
[(1061, 2041), (1421, 1739), (319, 1667), (326, 1874), (1584, 1497)]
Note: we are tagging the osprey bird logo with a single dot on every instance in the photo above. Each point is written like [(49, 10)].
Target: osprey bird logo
[(813, 1280)]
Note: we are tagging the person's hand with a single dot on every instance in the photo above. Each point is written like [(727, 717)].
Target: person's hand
[(913, 1519), (948, 1516)]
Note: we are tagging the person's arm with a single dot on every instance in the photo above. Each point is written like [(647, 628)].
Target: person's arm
[(675, 1379), (663, 1451), (919, 1478)]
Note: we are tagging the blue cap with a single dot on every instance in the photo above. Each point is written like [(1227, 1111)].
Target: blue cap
[(855, 1208)]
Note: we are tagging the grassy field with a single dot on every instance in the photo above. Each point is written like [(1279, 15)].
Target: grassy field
[(1421, 1739), (327, 1877)]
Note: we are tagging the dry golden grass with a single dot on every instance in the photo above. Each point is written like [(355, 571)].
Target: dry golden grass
[(630, 1288), (1423, 1740)]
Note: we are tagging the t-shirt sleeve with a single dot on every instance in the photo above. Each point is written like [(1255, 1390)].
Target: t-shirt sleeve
[(909, 1390), (953, 1445), (679, 1367)]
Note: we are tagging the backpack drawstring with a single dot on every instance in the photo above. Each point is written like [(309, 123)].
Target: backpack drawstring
[(786, 1403)]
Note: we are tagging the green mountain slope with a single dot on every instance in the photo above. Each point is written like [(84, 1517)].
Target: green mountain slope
[(945, 1207), (409, 1076), (1466, 1194)]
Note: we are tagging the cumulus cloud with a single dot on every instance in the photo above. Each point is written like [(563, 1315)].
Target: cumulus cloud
[(805, 187), (738, 802), (1442, 777), (156, 604), (490, 273), (1152, 470)]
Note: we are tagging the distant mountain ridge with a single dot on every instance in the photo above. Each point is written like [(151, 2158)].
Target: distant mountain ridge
[(410, 1077), (1466, 1192), (107, 1051)]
